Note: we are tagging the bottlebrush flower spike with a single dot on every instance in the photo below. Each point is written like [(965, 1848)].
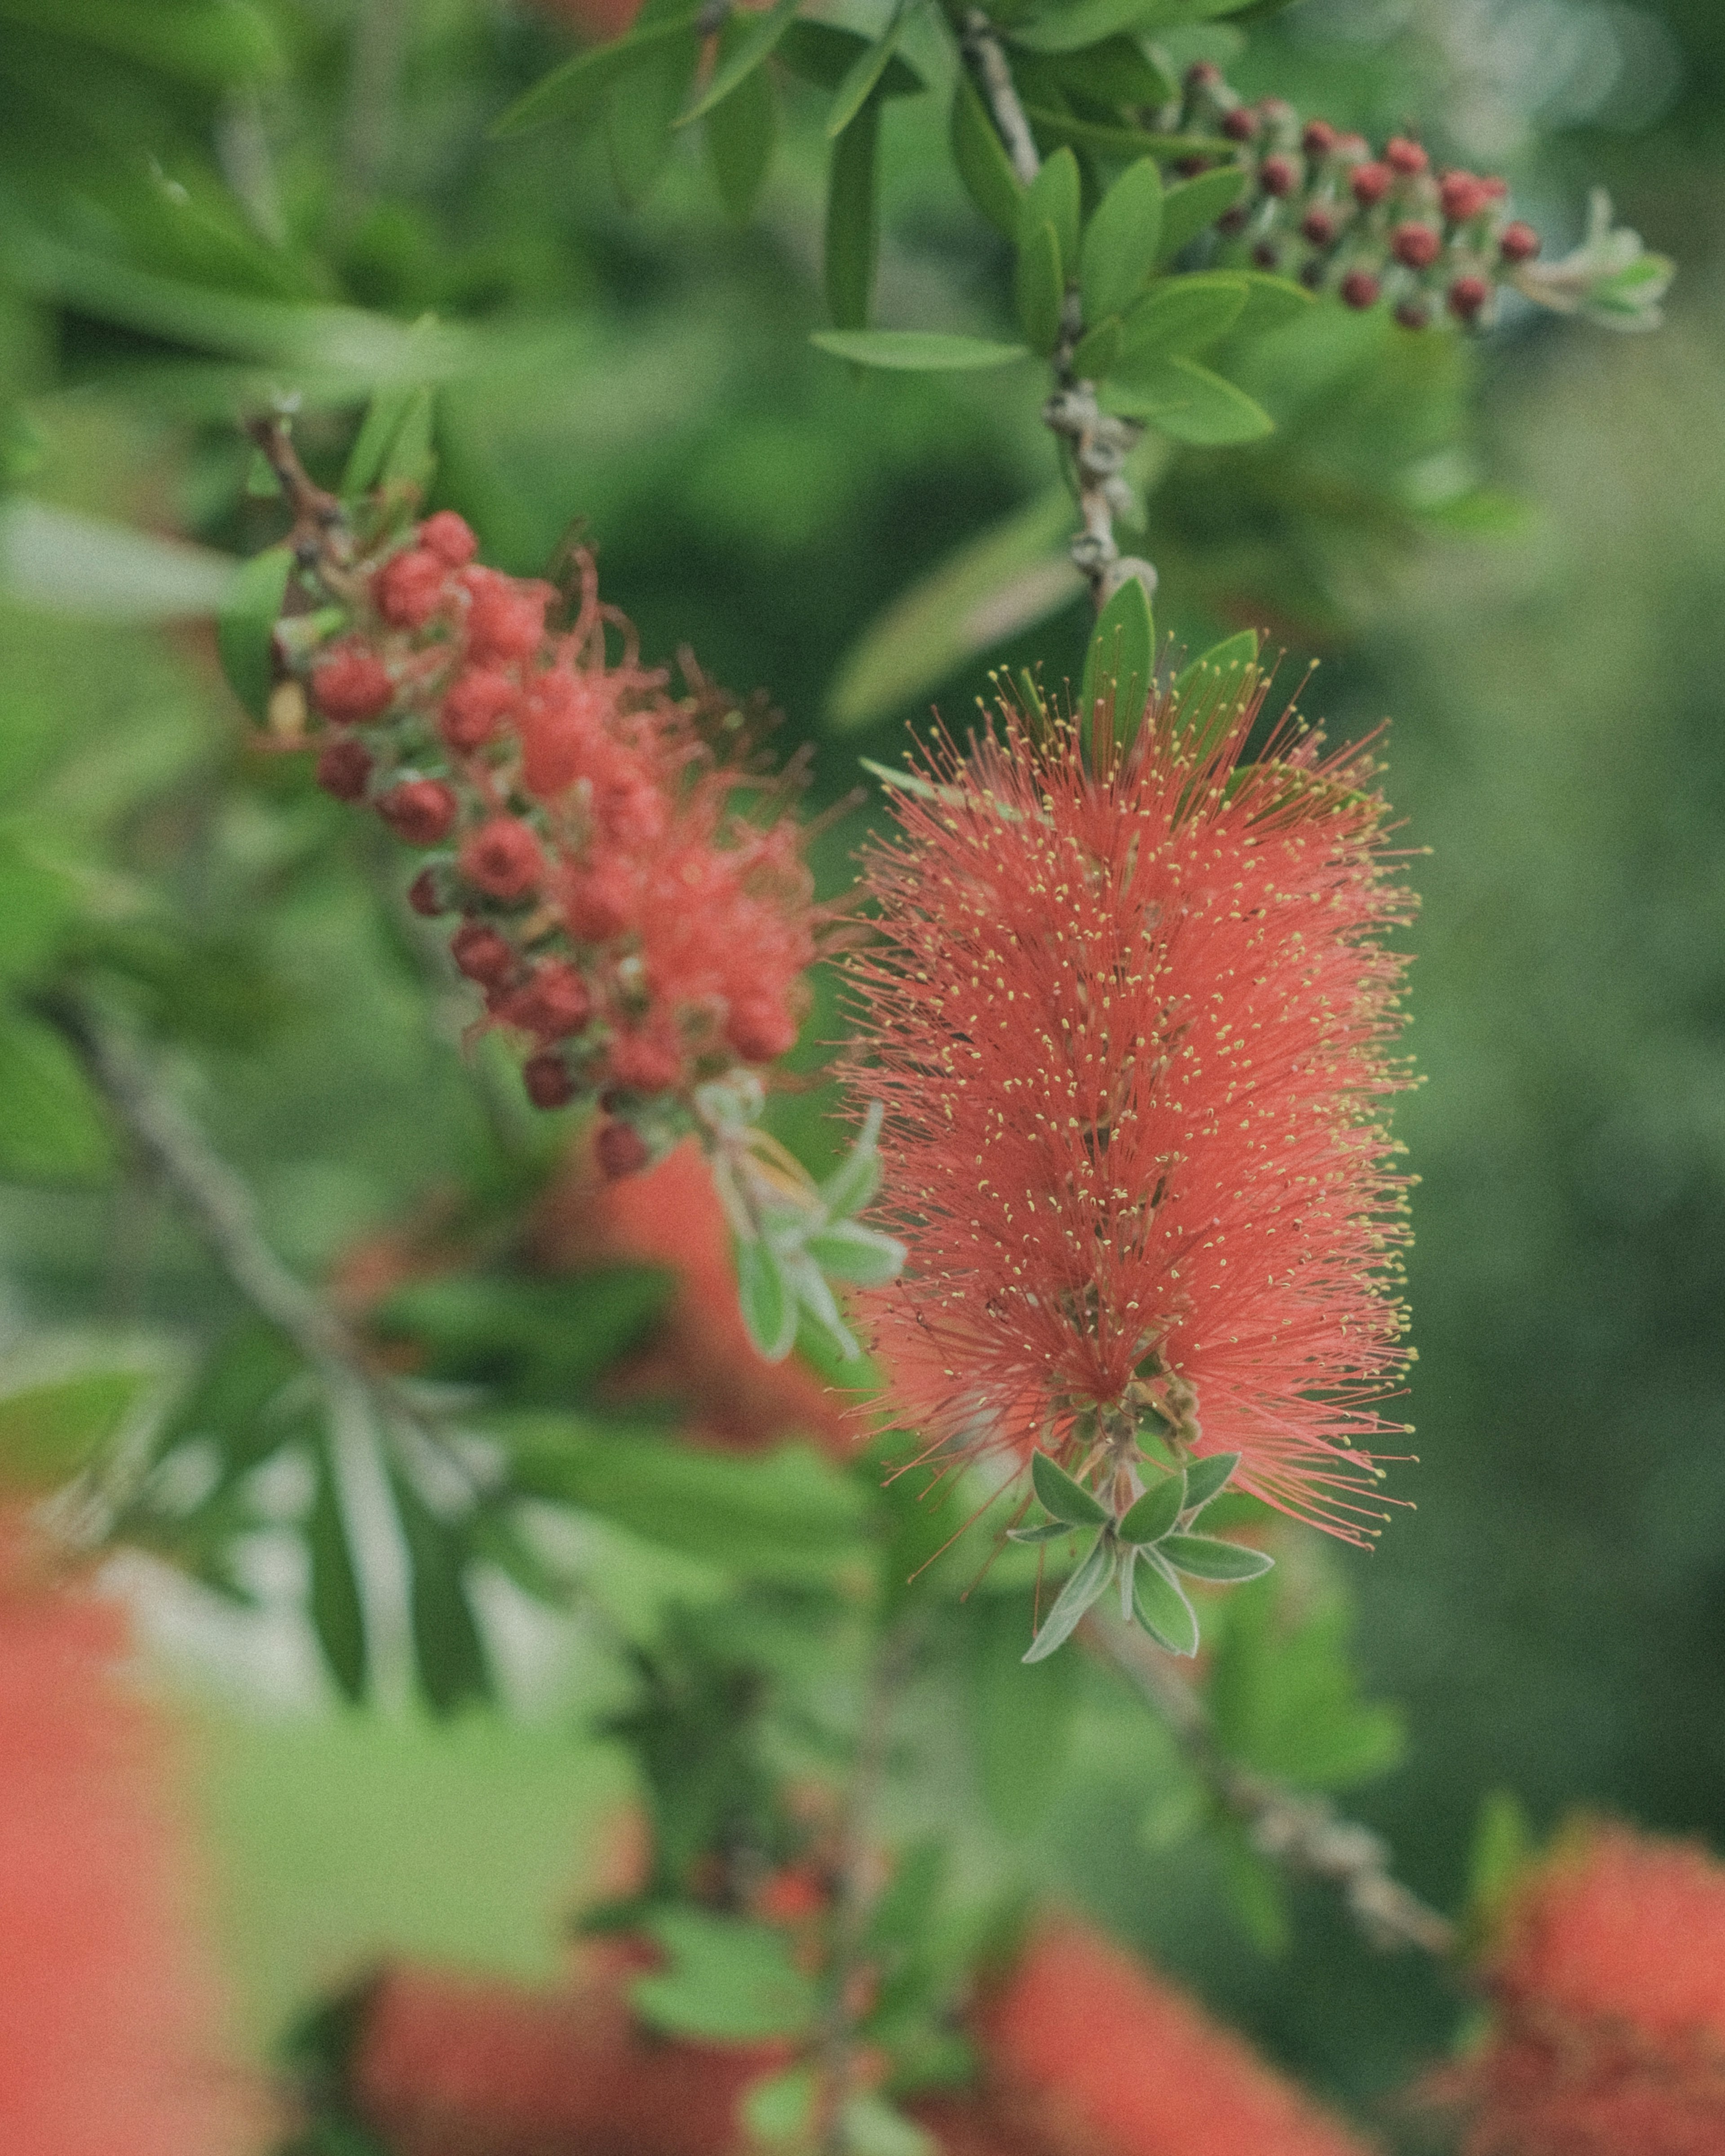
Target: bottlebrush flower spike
[(1607, 1972), (1131, 1026)]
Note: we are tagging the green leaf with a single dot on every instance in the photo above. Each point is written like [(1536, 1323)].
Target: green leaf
[(824, 54), (1501, 1846), (768, 1306), (336, 1611), (1194, 205), (52, 1130), (1080, 1592), (981, 159), (856, 1179), (57, 561), (1271, 302), (1119, 243), (1038, 287), (921, 351), (1048, 1531), (218, 43), (580, 83), (853, 227), (1117, 73), (1182, 315), (641, 111), (873, 2127), (1188, 403), (1067, 30), (38, 903), (450, 1654), (1156, 1511), (1056, 197), (1284, 1695), (745, 42), (1255, 1889), (742, 133), (245, 628), (860, 77), (781, 2108), (1059, 1495), (393, 446), (1119, 664), (535, 1342), (1207, 1478), (861, 1256), (1119, 145), (730, 1981), (1201, 1557), (1021, 1719), (1097, 352), (1162, 1607), (1231, 656), (49, 1433)]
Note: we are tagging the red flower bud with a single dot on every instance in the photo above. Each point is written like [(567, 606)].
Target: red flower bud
[(1413, 314), (349, 687), (429, 894), (482, 954), (1189, 167), (1467, 296), (1319, 226), (343, 769), (1278, 176), (1518, 242), (1418, 245), (640, 1063), (504, 620), (1360, 289), (548, 1083), (1497, 189), (1318, 138), (420, 811), (449, 538), (474, 706), (410, 587), (1462, 196), (1203, 75), (1240, 125), (1266, 255), (621, 1150), (1404, 156), (503, 859), (555, 1002), (1370, 183), (597, 901), (759, 1028)]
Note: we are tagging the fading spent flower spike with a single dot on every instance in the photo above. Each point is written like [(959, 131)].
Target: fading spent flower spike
[(1131, 1026)]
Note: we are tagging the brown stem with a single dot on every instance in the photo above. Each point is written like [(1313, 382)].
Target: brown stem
[(1305, 1834), (982, 48)]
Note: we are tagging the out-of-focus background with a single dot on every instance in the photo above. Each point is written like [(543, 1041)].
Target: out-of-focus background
[(1539, 601)]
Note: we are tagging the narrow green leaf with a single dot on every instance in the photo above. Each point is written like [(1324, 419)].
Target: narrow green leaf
[(1097, 353), (1271, 302), (245, 628), (52, 1129), (1208, 1477), (861, 1256), (1119, 664), (822, 54), (1190, 403), (730, 1981), (1117, 143), (449, 1652), (860, 77), (981, 159), (1181, 314), (744, 43), (49, 1433), (917, 351), (769, 1308), (1049, 1531), (1067, 30), (1115, 74), (57, 561), (580, 83), (337, 1614), (1194, 205), (1080, 1592), (1156, 1511), (742, 134), (1067, 1500), (856, 1179), (1120, 243), (1038, 286), (641, 109), (1162, 1607), (1202, 1557), (1056, 197), (853, 227), (1232, 655)]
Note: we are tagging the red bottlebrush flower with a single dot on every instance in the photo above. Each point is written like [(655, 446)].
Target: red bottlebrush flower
[(1360, 289), (482, 954), (1416, 245), (1129, 1029), (1467, 296), (1088, 2053), (503, 860), (411, 587), (1404, 156), (1370, 183), (1278, 176), (449, 538), (110, 2038), (598, 900), (1607, 1972), (561, 726), (506, 618), (476, 705), (421, 812), (344, 769), (1462, 196), (349, 687), (1518, 242)]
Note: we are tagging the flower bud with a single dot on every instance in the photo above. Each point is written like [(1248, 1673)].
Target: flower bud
[(474, 707), (1319, 226), (1266, 255), (506, 619), (1318, 138), (421, 812), (1360, 289), (502, 858), (1467, 295), (1370, 182), (1404, 156), (1462, 196), (344, 769), (640, 1063), (1189, 167), (760, 1028), (1417, 245), (1232, 222), (1203, 75), (561, 727), (410, 587), (1518, 242), (482, 954), (1278, 176), (449, 538), (621, 1151), (555, 1002), (427, 894), (351, 685), (1240, 125), (548, 1083), (1413, 314)]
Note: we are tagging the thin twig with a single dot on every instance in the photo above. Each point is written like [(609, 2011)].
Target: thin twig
[(982, 48), (1305, 1833)]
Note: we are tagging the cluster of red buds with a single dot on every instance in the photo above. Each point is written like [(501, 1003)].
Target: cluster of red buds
[(1322, 206), (639, 936)]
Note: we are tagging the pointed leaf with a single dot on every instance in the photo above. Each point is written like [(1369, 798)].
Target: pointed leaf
[(1188, 402), (1069, 28), (1208, 1477), (1194, 205), (860, 77), (1049, 1530), (852, 231), (1096, 354), (1038, 287), (742, 134), (580, 83), (1232, 655), (769, 1308), (337, 1615), (1117, 73), (1271, 301), (245, 628), (641, 111), (1080, 1592), (1067, 1500), (448, 1653), (1181, 315), (981, 159), (1118, 667), (917, 351), (856, 1179), (744, 44), (1162, 1607), (1202, 1557), (1055, 197), (861, 1256), (1120, 244), (822, 54), (1118, 144), (729, 1981), (1156, 1511)]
